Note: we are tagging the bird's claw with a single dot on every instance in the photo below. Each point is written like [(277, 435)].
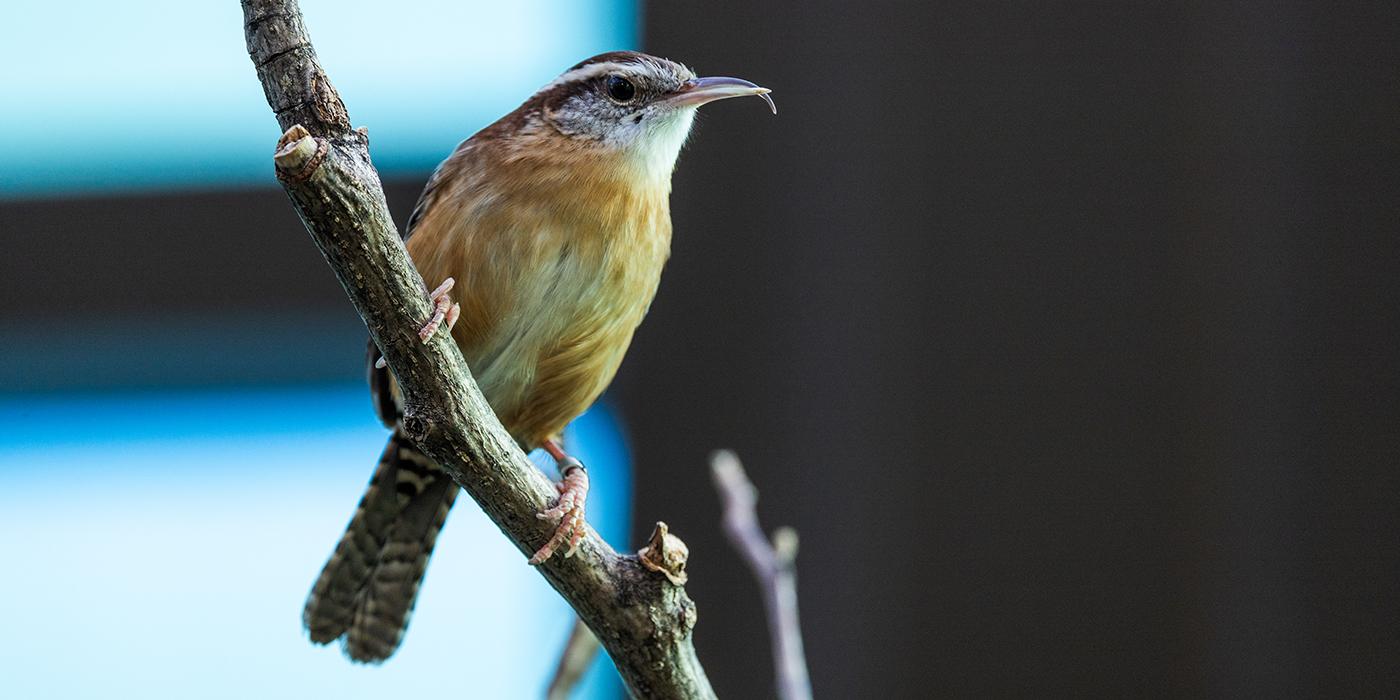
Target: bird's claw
[(567, 511), (443, 310)]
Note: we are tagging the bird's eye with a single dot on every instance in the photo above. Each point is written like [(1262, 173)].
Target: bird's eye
[(620, 88)]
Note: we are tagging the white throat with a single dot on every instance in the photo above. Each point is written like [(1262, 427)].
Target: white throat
[(658, 144)]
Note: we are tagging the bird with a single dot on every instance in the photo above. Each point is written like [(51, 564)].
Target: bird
[(552, 225)]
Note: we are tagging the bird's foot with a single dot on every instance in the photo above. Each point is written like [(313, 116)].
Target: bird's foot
[(443, 310), (567, 510)]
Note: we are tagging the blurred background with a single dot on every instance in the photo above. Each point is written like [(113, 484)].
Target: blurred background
[(1064, 333)]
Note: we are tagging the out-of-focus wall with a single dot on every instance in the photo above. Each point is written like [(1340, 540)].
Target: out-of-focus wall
[(1064, 332)]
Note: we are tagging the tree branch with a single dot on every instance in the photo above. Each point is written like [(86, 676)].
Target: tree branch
[(641, 617), (773, 566)]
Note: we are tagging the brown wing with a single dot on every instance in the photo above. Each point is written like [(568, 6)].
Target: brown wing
[(381, 390), (430, 192)]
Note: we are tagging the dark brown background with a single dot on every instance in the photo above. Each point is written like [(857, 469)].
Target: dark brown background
[(1063, 332)]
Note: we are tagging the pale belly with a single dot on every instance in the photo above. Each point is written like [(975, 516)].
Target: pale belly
[(550, 294), (544, 360), (548, 367)]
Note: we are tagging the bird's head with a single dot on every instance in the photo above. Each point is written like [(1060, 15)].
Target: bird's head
[(628, 104)]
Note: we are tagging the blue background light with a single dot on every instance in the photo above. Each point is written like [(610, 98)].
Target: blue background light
[(165, 504), (162, 93), (162, 545)]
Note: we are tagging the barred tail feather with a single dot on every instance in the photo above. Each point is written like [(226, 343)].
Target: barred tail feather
[(366, 592)]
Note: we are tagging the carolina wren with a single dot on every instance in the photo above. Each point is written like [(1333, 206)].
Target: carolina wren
[(555, 223)]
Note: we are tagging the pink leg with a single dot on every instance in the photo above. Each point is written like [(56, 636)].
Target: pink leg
[(443, 310), (568, 509)]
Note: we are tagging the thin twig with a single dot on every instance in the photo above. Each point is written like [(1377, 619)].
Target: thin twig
[(774, 567), (640, 616), (573, 662)]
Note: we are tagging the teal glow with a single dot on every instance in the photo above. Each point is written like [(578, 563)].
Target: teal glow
[(160, 545), (102, 96)]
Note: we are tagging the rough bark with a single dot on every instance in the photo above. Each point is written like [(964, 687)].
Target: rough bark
[(640, 616)]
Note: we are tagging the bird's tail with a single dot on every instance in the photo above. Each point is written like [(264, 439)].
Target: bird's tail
[(366, 591)]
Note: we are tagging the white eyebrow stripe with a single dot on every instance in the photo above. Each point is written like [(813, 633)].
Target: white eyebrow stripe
[(592, 70)]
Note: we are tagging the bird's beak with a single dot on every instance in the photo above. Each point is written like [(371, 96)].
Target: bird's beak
[(701, 90)]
